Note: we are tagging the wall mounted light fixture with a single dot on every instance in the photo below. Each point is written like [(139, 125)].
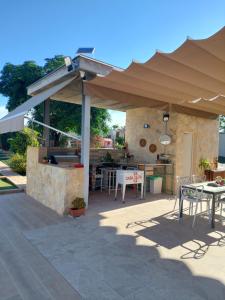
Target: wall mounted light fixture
[(166, 117)]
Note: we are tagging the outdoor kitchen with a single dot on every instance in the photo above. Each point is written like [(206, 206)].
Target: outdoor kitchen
[(153, 152)]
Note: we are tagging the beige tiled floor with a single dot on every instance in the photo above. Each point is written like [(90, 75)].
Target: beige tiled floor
[(24, 273), (136, 250)]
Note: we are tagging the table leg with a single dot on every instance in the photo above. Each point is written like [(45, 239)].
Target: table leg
[(213, 211), (116, 190), (123, 192), (113, 180), (101, 180), (180, 205), (142, 189), (109, 181), (144, 181)]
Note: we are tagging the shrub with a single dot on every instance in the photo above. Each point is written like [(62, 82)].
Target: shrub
[(18, 163), (78, 203), (26, 137)]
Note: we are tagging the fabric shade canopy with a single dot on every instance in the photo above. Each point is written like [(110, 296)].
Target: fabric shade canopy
[(189, 80), (14, 121)]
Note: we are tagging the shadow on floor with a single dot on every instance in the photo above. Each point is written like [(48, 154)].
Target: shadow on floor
[(103, 202), (102, 264), (169, 233)]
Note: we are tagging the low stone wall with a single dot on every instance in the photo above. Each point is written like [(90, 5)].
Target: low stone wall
[(52, 185)]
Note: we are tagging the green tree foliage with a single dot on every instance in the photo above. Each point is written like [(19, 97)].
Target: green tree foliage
[(119, 142), (27, 137), (14, 80), (65, 116), (99, 121), (222, 123), (53, 63)]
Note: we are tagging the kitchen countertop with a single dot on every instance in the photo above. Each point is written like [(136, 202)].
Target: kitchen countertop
[(133, 163)]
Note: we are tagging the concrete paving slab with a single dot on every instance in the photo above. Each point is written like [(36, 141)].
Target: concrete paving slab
[(136, 251)]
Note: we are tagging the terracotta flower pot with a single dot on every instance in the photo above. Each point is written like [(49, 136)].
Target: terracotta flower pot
[(78, 165), (77, 212)]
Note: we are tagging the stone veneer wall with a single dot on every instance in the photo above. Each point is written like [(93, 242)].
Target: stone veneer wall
[(96, 154), (52, 185), (205, 136), (135, 120)]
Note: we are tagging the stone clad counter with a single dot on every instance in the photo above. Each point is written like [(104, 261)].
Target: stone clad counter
[(55, 186)]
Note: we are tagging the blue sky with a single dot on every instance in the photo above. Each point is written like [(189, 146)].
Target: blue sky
[(120, 30)]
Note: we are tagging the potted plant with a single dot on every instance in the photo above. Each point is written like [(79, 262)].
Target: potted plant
[(108, 158), (205, 167), (78, 207), (45, 160)]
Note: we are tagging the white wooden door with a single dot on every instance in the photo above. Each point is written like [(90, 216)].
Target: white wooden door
[(187, 154)]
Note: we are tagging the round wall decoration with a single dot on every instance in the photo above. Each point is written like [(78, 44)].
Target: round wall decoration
[(142, 142), (152, 148)]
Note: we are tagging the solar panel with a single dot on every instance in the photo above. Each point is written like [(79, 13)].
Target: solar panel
[(85, 50)]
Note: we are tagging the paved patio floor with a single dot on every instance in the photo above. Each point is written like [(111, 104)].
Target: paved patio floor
[(25, 274), (132, 251)]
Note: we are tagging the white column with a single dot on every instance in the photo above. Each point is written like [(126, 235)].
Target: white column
[(47, 122), (85, 144)]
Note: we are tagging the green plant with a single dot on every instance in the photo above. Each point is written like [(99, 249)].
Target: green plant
[(108, 158), (204, 164), (120, 142), (27, 137), (118, 146), (78, 203), (18, 163)]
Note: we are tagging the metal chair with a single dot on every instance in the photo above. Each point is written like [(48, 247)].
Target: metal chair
[(97, 180), (221, 203), (194, 196), (179, 182), (198, 178)]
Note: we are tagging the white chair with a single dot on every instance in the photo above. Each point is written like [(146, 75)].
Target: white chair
[(194, 196), (179, 182)]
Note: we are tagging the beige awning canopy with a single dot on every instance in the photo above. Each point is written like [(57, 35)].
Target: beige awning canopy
[(190, 80), (14, 121)]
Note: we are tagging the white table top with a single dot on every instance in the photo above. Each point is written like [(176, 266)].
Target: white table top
[(207, 189)]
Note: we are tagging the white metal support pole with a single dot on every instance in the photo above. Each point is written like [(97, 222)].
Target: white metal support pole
[(85, 144), (46, 121)]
